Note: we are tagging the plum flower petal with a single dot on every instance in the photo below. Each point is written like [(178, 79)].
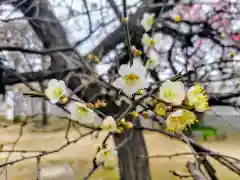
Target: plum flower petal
[(109, 124), (153, 60), (197, 97), (132, 77), (56, 91), (107, 157), (147, 21), (147, 42), (180, 119), (81, 113), (172, 92)]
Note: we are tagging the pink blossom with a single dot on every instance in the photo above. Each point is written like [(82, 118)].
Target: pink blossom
[(225, 21), (236, 37), (200, 42), (215, 18)]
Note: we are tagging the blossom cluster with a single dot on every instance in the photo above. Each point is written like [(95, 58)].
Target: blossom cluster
[(171, 93), (172, 99)]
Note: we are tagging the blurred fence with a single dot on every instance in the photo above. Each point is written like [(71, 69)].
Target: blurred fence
[(16, 104)]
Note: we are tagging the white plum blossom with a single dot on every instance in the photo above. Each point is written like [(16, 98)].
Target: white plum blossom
[(132, 77), (56, 91), (173, 123), (109, 124), (157, 38), (153, 60), (151, 42), (147, 42), (147, 21), (196, 96), (172, 92), (107, 156), (81, 113), (193, 92), (180, 119)]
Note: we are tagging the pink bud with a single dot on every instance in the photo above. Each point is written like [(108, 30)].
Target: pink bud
[(214, 18), (133, 50)]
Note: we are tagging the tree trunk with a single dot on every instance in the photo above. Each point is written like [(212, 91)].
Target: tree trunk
[(132, 165), (52, 35), (44, 108)]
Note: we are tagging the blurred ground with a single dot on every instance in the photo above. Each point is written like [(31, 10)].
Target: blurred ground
[(80, 154)]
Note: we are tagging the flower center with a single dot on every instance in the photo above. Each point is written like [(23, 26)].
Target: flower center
[(108, 126), (57, 92), (150, 62), (151, 43), (178, 18), (150, 21), (131, 79), (82, 110), (106, 153), (169, 94)]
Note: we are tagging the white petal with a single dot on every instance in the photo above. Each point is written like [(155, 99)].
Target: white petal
[(119, 83), (177, 113), (63, 86), (53, 83), (177, 88), (145, 48), (178, 100), (75, 117), (137, 61), (145, 39), (50, 95), (143, 84), (130, 90), (146, 26), (180, 85), (89, 118), (71, 106), (144, 21), (48, 92), (77, 104), (157, 40), (109, 121), (54, 101), (124, 69), (153, 55), (138, 68)]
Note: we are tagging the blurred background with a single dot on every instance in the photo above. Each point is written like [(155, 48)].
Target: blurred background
[(73, 39)]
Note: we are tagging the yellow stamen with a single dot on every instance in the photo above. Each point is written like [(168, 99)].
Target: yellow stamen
[(57, 92), (131, 79), (82, 110), (169, 94), (152, 43)]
